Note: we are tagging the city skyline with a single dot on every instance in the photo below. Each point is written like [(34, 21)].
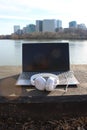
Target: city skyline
[(20, 12), (47, 25)]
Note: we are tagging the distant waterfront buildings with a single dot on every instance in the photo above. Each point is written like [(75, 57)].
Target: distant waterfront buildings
[(47, 25), (16, 28), (29, 29), (39, 25), (59, 24), (73, 24), (82, 26)]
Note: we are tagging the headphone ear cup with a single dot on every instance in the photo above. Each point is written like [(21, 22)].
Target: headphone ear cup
[(51, 84), (40, 83)]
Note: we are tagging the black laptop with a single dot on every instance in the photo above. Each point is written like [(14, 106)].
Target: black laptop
[(46, 57)]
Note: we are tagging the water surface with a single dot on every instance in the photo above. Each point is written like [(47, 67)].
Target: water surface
[(11, 51)]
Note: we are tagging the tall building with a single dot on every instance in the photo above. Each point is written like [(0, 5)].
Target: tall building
[(29, 28), (82, 26), (16, 28), (73, 24), (39, 24), (59, 24), (32, 28), (49, 25)]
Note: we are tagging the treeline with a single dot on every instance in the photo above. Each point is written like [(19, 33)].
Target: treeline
[(5, 36), (63, 34)]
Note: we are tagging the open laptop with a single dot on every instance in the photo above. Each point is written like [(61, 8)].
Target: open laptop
[(46, 57)]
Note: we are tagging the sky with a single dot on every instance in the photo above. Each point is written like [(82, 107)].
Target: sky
[(24, 12)]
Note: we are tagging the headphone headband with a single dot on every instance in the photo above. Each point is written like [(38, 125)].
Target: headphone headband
[(43, 75)]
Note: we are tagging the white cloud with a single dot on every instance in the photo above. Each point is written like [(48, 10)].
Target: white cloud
[(34, 8), (66, 10)]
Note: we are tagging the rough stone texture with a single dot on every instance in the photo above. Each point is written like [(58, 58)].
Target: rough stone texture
[(10, 123), (29, 109), (6, 71)]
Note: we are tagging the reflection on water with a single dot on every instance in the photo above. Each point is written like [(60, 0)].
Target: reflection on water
[(11, 51), (78, 52)]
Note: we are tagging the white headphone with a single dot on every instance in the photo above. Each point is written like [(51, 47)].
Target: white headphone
[(41, 83)]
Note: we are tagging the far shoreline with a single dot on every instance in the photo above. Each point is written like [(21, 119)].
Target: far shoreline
[(60, 35), (43, 39)]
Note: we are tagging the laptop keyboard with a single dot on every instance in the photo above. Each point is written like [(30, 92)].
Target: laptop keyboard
[(26, 75), (62, 75), (67, 74)]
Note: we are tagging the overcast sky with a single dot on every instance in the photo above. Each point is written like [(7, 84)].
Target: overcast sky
[(24, 12)]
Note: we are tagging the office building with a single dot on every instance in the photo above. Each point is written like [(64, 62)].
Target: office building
[(59, 24), (73, 24), (39, 25), (16, 28), (49, 25), (29, 28), (82, 26)]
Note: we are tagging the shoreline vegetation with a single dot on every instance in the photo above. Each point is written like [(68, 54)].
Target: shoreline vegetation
[(63, 34)]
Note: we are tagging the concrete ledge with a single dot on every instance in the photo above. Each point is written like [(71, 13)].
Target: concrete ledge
[(45, 110), (6, 71), (23, 102)]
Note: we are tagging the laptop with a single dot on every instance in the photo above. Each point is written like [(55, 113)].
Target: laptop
[(49, 58)]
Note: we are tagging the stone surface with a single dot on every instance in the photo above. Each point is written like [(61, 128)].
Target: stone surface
[(23, 102)]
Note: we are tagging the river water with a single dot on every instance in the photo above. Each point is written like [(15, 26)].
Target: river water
[(11, 51)]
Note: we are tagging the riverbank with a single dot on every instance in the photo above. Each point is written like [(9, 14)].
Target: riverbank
[(67, 33)]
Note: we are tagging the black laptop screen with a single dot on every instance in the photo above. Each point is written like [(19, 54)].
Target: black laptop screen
[(45, 57)]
